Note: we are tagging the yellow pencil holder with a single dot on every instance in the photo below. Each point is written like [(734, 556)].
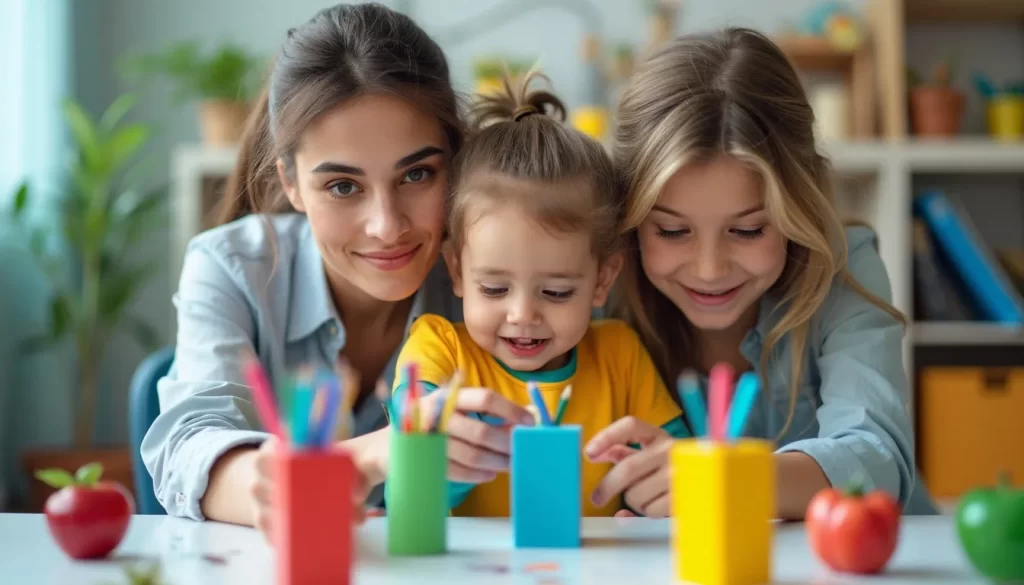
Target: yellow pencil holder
[(723, 507), (1006, 117)]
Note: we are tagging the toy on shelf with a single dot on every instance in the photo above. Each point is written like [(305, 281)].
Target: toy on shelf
[(86, 516), (837, 23), (313, 504), (489, 71), (853, 531), (591, 117), (990, 528), (721, 533), (1004, 108), (936, 106), (546, 466), (417, 486)]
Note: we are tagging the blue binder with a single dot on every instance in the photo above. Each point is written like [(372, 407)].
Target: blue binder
[(991, 290)]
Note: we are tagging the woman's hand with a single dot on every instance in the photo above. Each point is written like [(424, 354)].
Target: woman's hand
[(641, 475), (263, 487), (477, 450)]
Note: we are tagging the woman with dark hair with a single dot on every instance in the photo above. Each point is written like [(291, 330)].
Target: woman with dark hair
[(329, 249)]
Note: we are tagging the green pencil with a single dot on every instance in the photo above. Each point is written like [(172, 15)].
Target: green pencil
[(563, 402)]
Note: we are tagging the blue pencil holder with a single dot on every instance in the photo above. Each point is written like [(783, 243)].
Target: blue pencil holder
[(546, 463)]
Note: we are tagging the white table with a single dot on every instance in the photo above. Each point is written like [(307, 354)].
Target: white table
[(614, 551)]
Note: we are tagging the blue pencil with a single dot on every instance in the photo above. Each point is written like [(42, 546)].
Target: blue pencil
[(538, 401), (693, 402), (747, 389), (332, 405)]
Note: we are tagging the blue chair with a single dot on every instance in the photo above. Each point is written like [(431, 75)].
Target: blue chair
[(143, 408)]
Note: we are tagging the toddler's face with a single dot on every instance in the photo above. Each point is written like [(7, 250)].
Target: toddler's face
[(527, 293)]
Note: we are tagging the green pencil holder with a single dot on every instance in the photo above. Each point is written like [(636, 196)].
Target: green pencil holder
[(417, 494)]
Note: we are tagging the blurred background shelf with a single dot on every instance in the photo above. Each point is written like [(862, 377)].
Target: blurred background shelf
[(952, 11), (956, 333)]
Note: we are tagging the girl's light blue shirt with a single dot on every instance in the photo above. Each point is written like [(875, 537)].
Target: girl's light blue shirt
[(255, 283), (852, 410)]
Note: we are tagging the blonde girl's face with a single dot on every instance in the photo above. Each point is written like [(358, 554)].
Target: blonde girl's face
[(709, 245), (527, 292)]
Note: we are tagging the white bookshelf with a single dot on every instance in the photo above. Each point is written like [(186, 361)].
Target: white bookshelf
[(875, 181)]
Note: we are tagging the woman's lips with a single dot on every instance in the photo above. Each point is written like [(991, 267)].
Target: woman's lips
[(392, 259)]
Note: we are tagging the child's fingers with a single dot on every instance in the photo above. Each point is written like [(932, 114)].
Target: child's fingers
[(625, 514), (629, 472), (376, 513), (642, 495), (623, 432), (613, 455), (490, 403), (659, 508), (480, 434), (462, 474), (474, 457)]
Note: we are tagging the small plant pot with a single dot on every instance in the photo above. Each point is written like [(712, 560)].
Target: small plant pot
[(936, 112), (222, 121), (1005, 115)]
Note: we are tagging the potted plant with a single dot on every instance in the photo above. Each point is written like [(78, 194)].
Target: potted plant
[(100, 220), (936, 107), (224, 82)]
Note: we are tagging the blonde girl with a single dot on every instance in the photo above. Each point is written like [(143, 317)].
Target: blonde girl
[(533, 248), (738, 255)]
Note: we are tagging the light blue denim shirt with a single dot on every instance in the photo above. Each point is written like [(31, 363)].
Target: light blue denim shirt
[(852, 411), (255, 283)]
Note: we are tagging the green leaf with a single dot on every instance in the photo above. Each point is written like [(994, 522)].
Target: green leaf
[(144, 333), (55, 478), (84, 132), (116, 112), (60, 316), (121, 286), (89, 473), (126, 142), (20, 199)]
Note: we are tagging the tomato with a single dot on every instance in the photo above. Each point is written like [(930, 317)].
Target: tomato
[(87, 517), (852, 531)]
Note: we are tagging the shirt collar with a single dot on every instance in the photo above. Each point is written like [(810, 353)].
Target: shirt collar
[(311, 303)]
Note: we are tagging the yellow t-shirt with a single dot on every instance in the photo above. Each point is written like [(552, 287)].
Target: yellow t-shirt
[(611, 373)]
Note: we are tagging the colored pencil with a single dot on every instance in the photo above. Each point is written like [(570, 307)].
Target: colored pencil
[(262, 395), (302, 408), (563, 403), (719, 390), (413, 396), (450, 399), (747, 390), (330, 389), (532, 409), (693, 402), (538, 401)]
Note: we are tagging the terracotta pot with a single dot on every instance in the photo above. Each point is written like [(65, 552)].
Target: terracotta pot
[(117, 466), (222, 121), (936, 111)]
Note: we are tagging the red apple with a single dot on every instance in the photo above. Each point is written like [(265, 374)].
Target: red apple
[(87, 517)]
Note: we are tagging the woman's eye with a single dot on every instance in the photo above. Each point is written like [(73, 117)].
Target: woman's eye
[(750, 234), (670, 234), (418, 175), (492, 291), (343, 189), (560, 295)]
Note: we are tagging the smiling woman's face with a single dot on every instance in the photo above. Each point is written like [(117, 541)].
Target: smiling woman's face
[(372, 175)]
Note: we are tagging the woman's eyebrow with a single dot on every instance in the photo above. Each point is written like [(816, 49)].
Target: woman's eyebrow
[(418, 156), (335, 167)]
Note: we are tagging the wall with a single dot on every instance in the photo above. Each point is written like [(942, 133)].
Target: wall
[(107, 30)]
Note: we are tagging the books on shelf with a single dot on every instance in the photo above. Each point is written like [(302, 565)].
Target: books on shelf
[(957, 277)]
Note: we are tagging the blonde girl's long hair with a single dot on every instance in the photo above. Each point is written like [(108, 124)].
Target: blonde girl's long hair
[(730, 93)]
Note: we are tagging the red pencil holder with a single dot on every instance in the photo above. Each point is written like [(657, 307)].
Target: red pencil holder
[(313, 523)]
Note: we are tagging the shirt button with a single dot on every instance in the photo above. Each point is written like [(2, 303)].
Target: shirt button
[(179, 499), (333, 330)]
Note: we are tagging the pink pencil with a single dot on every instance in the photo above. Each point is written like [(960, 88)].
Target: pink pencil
[(262, 395), (719, 394)]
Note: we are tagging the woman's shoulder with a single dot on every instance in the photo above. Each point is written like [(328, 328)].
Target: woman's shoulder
[(253, 237)]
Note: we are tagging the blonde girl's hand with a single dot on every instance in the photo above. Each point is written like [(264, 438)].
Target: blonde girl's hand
[(640, 475)]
